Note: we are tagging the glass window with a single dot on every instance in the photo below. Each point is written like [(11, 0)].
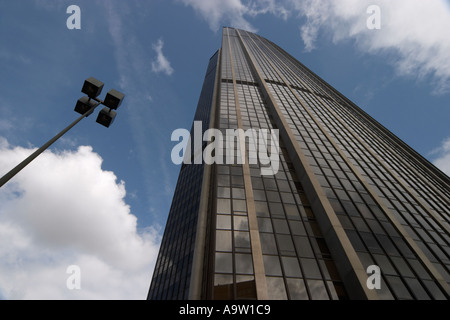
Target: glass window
[(287, 197), (375, 226), (239, 205), (223, 222), (349, 207), (223, 240), (222, 279), (310, 268), (417, 289), (419, 269), (398, 287), (241, 239), (223, 180), (364, 210), (273, 196), (345, 222), (303, 246), (402, 267), (291, 267), (434, 290), (224, 263), (276, 288), (283, 185), (297, 228), (291, 211), (259, 195), (223, 206), (237, 181), (272, 265), (360, 224), (265, 225), (268, 244), (384, 293), (285, 245), (238, 193), (244, 263), (280, 226), (276, 209), (384, 264), (317, 290), (337, 206), (403, 247), (236, 170), (223, 192), (270, 184), (262, 210), (240, 223), (387, 245), (221, 169), (257, 182), (297, 289)]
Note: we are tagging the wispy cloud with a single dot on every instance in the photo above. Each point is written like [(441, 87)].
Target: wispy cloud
[(136, 79), (161, 63)]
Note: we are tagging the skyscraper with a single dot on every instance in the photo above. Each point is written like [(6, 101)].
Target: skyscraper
[(349, 211)]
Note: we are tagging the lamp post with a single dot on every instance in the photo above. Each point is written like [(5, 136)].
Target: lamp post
[(85, 106)]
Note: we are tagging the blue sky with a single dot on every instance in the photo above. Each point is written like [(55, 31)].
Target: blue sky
[(99, 198)]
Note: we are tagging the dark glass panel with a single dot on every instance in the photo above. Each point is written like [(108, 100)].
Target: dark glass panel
[(276, 288), (244, 263), (297, 289), (291, 267), (224, 262), (272, 265), (317, 290)]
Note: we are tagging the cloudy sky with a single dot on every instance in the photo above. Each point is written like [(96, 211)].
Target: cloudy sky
[(98, 198)]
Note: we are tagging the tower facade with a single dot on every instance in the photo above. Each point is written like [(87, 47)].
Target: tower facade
[(306, 197)]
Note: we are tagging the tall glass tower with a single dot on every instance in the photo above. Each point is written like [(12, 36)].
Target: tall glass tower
[(349, 211)]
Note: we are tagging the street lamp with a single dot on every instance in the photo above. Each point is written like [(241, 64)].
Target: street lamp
[(85, 106)]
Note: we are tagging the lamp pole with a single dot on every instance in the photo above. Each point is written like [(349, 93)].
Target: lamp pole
[(105, 118), (25, 162)]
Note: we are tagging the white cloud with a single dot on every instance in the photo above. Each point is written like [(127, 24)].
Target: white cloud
[(62, 210), (161, 63), (235, 13), (442, 156), (413, 32), (216, 12)]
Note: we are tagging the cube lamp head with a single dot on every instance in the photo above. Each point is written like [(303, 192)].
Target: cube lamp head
[(84, 104), (106, 117), (92, 87), (113, 99)]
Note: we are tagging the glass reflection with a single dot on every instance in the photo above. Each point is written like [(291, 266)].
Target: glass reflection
[(276, 288)]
